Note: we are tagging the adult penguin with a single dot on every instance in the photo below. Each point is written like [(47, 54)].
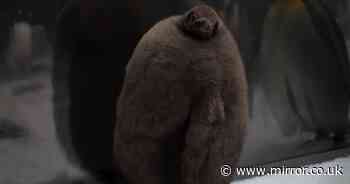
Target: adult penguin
[(304, 68)]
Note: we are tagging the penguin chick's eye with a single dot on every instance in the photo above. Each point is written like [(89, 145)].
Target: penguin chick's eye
[(191, 17), (200, 23)]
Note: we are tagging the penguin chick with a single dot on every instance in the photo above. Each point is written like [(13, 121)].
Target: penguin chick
[(182, 111)]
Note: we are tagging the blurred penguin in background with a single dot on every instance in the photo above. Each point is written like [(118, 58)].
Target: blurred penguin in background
[(20, 49), (29, 50), (27, 131), (304, 68)]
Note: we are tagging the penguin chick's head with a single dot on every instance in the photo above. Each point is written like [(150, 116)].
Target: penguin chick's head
[(192, 47), (201, 22)]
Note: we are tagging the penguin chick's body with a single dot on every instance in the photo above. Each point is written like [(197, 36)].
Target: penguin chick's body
[(182, 112)]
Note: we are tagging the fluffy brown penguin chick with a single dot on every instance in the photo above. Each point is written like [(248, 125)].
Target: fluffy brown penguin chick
[(182, 112)]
